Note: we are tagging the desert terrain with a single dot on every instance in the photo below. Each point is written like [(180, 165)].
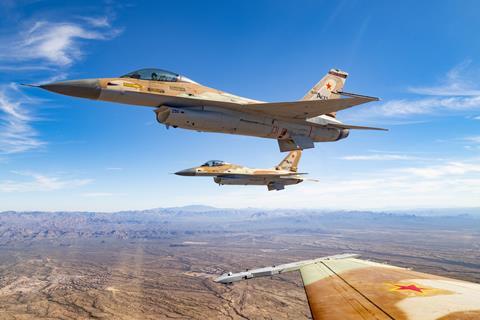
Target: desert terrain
[(160, 263)]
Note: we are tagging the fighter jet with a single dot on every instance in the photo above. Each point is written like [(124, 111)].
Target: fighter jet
[(223, 173), (183, 103), (344, 287)]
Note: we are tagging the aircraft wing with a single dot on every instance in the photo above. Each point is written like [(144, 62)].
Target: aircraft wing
[(305, 109), (294, 109), (350, 288), (260, 175), (273, 270)]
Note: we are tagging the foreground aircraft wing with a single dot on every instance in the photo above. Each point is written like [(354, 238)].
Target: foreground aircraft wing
[(344, 287), (273, 270)]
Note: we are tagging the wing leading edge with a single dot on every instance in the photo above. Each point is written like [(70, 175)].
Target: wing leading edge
[(305, 109)]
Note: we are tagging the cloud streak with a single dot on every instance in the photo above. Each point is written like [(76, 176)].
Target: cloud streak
[(456, 83), (98, 194), (473, 139), (405, 108), (444, 170), (114, 169), (456, 94), (16, 131), (380, 157), (35, 182), (54, 43), (44, 46)]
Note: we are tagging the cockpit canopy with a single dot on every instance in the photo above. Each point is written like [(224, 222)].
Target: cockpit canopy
[(153, 74), (213, 163)]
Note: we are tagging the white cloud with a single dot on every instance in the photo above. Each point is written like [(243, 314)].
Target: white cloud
[(473, 139), (98, 194), (448, 184), (34, 182), (446, 169), (55, 43), (407, 107), (100, 22), (414, 107), (24, 68), (473, 143), (382, 157), (114, 169), (458, 92), (16, 131), (455, 83)]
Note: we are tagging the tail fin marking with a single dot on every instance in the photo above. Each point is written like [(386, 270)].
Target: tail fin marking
[(291, 161)]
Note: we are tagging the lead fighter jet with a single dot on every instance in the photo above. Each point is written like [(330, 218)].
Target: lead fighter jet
[(285, 173), (184, 103)]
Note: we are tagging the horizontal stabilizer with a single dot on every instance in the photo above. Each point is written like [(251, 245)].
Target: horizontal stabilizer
[(298, 176), (294, 174), (355, 95), (348, 126)]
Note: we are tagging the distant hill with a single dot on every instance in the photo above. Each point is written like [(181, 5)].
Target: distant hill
[(162, 222), (194, 208)]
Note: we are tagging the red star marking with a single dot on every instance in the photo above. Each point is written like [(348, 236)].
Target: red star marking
[(410, 287), (329, 86)]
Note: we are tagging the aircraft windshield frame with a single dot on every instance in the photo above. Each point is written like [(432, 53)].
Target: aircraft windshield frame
[(213, 163), (153, 74)]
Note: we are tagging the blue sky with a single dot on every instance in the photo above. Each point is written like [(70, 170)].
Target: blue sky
[(421, 58)]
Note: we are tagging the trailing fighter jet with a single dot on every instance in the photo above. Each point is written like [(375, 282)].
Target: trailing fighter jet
[(184, 103), (285, 173), (343, 287)]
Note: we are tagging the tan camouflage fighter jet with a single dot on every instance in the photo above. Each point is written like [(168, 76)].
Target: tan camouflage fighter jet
[(343, 287), (285, 173), (183, 103)]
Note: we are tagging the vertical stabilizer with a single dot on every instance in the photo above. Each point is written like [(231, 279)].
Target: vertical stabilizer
[(328, 87), (290, 162)]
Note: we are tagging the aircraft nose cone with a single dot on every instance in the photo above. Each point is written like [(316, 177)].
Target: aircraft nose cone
[(88, 88), (186, 172)]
